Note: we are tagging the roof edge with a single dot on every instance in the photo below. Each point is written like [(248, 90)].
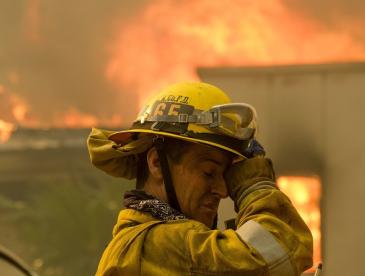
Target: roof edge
[(283, 69)]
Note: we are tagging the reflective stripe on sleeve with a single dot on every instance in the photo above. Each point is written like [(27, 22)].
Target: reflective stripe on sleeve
[(264, 242)]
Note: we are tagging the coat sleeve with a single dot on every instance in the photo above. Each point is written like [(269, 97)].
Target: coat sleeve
[(271, 239)]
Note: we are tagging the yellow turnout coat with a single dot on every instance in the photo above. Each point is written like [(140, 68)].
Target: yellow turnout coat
[(271, 239)]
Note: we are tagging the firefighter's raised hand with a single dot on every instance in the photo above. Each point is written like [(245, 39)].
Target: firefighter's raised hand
[(250, 174), (254, 149)]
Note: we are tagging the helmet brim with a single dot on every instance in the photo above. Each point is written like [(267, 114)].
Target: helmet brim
[(125, 136)]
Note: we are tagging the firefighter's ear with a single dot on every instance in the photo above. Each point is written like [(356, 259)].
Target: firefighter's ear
[(154, 166)]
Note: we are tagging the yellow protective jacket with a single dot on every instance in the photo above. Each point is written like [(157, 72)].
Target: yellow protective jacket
[(271, 239)]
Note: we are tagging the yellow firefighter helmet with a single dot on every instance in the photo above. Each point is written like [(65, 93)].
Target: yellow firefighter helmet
[(193, 111)]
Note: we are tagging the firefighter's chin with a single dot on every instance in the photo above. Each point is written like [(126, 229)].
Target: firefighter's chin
[(207, 214)]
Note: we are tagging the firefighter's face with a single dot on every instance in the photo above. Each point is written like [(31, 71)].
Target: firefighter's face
[(199, 182)]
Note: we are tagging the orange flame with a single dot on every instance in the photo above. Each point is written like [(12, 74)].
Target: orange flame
[(8, 109), (19, 114), (14, 111), (75, 119), (6, 130), (19, 110), (305, 193), (168, 40)]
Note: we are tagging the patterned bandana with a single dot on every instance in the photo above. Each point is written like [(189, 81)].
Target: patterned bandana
[(141, 201)]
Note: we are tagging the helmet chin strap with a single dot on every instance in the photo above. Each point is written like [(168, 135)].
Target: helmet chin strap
[(166, 174), (215, 222)]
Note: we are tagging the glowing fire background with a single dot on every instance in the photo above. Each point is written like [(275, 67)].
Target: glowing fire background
[(93, 63), (305, 194)]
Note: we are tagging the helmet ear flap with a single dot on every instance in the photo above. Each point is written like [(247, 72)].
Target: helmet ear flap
[(215, 222), (116, 159)]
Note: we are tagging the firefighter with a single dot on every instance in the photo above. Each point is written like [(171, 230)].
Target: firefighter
[(188, 148)]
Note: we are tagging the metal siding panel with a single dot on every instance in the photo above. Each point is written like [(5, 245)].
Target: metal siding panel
[(312, 121), (345, 164)]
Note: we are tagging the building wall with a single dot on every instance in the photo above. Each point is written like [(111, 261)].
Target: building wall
[(311, 121)]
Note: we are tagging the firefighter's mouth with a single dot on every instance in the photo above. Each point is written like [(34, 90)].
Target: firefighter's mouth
[(211, 206)]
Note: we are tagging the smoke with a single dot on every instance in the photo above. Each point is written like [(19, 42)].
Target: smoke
[(334, 14), (169, 39), (53, 55)]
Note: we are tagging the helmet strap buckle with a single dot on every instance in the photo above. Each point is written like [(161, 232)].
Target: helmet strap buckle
[(183, 118), (216, 117)]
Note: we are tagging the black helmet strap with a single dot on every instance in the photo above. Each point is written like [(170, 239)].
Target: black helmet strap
[(166, 174)]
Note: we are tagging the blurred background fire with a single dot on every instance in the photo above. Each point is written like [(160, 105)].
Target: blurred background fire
[(85, 64), (76, 65)]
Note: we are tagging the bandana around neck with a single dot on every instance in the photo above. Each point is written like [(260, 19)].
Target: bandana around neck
[(141, 201)]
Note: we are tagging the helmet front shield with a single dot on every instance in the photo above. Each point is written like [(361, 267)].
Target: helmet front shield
[(237, 120)]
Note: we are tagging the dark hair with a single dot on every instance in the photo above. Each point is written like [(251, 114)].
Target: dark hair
[(175, 149)]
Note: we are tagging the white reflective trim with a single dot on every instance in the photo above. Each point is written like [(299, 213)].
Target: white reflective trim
[(264, 242)]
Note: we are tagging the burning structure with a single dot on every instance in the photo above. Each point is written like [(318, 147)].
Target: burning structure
[(311, 118), (91, 66), (121, 51)]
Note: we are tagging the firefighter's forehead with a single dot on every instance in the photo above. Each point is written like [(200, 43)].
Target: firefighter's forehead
[(204, 153)]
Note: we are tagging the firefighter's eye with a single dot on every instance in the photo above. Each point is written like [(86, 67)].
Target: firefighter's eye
[(208, 174)]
